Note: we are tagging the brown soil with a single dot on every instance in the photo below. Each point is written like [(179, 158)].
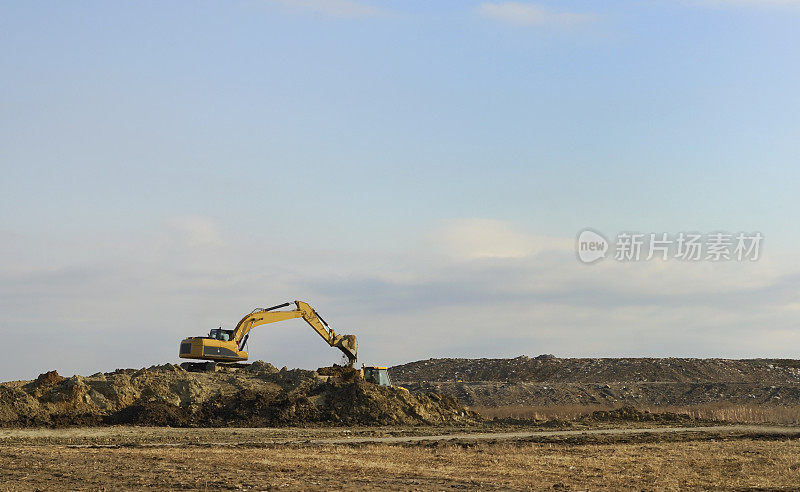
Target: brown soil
[(257, 395), (741, 464), (548, 368), (645, 382), (631, 414)]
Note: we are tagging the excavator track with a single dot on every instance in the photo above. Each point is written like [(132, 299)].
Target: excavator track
[(211, 366)]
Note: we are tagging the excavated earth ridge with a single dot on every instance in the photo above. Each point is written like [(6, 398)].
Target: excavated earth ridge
[(257, 395), (547, 381)]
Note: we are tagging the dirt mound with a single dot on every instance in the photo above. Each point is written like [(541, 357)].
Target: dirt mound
[(631, 414), (364, 403), (257, 395), (551, 381), (152, 414), (551, 369), (339, 373), (48, 379)]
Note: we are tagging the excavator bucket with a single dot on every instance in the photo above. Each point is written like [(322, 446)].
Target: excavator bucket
[(349, 345)]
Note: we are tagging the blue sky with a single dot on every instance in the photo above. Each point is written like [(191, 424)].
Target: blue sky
[(168, 166)]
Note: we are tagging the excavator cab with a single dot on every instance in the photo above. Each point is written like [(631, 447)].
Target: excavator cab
[(377, 375), (220, 334)]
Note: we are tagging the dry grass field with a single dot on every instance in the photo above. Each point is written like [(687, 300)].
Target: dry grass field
[(718, 411), (741, 463)]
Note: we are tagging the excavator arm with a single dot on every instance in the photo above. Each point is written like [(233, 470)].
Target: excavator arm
[(346, 343)]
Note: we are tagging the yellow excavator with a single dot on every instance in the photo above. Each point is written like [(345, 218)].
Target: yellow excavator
[(227, 346)]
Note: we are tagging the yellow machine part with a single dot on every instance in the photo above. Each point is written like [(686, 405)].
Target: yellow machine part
[(200, 348)]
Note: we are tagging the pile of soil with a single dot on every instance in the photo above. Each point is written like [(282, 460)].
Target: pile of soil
[(551, 369), (257, 395), (631, 414), (550, 381)]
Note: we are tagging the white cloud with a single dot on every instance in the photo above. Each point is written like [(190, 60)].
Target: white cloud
[(335, 8), (528, 14), (194, 231), (489, 238)]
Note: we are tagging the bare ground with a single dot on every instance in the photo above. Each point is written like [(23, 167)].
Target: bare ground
[(631, 461), (562, 424), (734, 390)]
